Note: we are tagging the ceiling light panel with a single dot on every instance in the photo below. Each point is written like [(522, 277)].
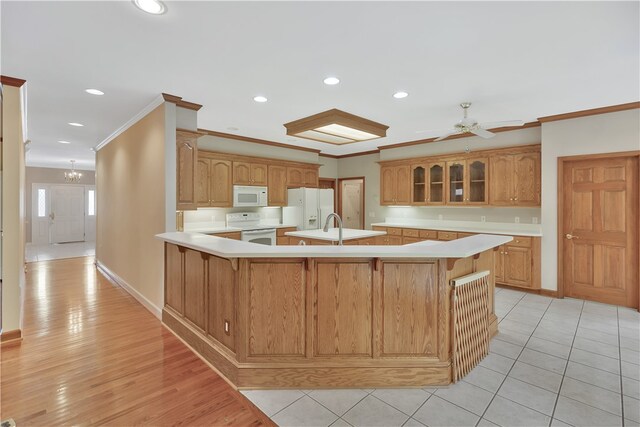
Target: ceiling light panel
[(336, 127)]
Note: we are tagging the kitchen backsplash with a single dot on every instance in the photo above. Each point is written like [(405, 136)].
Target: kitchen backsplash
[(217, 216), (486, 214)]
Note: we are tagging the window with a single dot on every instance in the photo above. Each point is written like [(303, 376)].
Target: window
[(91, 200), (42, 202)]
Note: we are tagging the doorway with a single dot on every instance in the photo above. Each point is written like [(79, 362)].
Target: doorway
[(351, 202), (598, 204)]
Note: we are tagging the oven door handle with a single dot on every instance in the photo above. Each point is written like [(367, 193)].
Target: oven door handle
[(252, 233)]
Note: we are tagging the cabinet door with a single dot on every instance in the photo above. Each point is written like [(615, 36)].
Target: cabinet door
[(258, 174), (418, 184), (186, 161), (310, 177), (501, 180), (295, 177), (403, 185), (527, 179), (387, 185), (517, 266), (241, 173), (394, 240), (499, 265), (436, 184), (221, 189), (203, 183), (456, 171), (477, 185), (194, 288), (277, 190)]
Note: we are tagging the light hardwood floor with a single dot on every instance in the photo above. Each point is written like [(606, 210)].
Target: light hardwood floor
[(91, 354)]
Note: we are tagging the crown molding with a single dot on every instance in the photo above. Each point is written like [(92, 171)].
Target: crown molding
[(256, 140), (159, 100), (344, 156), (180, 102), (12, 81), (590, 112)]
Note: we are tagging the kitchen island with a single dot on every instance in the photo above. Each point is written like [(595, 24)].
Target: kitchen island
[(330, 316)]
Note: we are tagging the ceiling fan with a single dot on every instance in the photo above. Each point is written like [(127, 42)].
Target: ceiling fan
[(470, 125)]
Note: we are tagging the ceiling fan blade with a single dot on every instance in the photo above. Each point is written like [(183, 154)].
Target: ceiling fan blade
[(446, 135), (483, 133), (508, 123)]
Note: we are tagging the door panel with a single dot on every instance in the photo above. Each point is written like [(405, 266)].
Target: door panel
[(202, 183), (527, 179), (221, 190), (388, 185), (67, 209), (600, 230), (241, 173), (258, 174), (403, 185), (501, 180), (517, 266)]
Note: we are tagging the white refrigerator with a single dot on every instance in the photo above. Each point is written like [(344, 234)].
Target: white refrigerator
[(308, 207)]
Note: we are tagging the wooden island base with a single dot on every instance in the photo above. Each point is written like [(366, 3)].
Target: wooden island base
[(319, 322)]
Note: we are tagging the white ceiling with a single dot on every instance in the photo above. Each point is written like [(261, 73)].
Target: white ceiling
[(513, 60)]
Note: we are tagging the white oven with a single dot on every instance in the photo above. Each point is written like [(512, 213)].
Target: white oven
[(263, 237), (246, 196)]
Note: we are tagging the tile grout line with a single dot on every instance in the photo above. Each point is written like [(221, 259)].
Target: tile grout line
[(345, 412), (510, 369), (564, 373)]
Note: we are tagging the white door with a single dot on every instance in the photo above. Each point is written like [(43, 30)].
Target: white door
[(67, 213), (352, 201), (40, 213)]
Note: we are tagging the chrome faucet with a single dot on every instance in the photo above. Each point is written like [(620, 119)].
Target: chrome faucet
[(326, 226)]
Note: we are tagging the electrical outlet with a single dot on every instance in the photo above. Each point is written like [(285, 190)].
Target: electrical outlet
[(372, 214), (440, 216), (517, 220), (483, 218), (534, 220)]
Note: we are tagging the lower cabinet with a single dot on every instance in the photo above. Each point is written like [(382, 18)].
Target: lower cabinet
[(235, 235), (518, 263)]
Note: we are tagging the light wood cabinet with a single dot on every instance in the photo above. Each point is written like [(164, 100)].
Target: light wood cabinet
[(518, 263), (467, 182), (277, 188), (499, 177), (186, 165), (214, 183), (395, 185), (310, 177), (234, 235), (302, 177), (245, 173), (515, 179)]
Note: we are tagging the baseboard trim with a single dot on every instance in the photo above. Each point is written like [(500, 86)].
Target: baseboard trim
[(119, 281), (11, 337), (543, 292)]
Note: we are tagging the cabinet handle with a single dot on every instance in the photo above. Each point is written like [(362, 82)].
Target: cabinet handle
[(515, 198), (511, 198)]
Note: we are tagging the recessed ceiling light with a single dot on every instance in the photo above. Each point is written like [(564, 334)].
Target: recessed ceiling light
[(400, 95), (331, 81), (94, 91), (64, 142), (76, 124), (260, 98), (154, 7)]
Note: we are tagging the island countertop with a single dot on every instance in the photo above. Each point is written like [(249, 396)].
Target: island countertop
[(228, 248), (332, 235)]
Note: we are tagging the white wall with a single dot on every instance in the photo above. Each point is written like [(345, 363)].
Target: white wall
[(245, 148), (13, 207), (604, 133), (328, 167)]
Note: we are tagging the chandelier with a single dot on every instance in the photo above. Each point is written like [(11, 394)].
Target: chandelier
[(72, 176)]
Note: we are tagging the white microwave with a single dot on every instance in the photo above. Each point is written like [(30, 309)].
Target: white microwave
[(244, 196)]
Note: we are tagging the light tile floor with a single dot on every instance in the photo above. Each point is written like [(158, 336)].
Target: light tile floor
[(45, 252), (554, 362)]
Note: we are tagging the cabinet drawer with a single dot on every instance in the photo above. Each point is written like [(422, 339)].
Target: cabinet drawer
[(410, 232), (282, 240), (367, 241), (447, 235), (407, 240), (280, 231), (392, 231), (523, 242), (461, 235), (394, 240), (428, 234), (229, 235), (378, 228)]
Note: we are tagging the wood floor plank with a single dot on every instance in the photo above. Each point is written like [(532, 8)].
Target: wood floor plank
[(92, 355)]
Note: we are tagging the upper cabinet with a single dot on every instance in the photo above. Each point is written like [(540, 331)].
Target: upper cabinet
[(395, 185), (501, 177), (302, 177), (186, 165), (515, 179), (214, 184), (245, 173), (277, 189)]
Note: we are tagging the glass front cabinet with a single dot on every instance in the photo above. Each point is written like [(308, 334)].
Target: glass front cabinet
[(436, 184), (467, 182), (427, 184), (418, 185)]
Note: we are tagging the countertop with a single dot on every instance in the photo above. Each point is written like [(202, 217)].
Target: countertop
[(228, 248), (332, 234), (506, 228)]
